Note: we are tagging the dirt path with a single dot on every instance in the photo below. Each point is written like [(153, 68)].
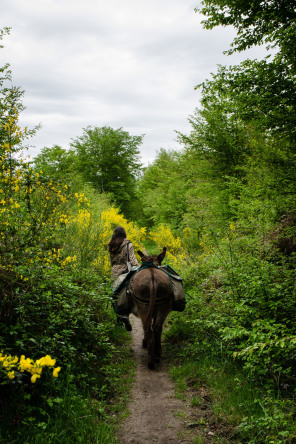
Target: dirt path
[(156, 416)]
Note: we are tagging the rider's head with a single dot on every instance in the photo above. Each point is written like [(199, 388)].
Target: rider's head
[(116, 240), (119, 232)]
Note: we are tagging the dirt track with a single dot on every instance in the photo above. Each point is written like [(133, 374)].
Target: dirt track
[(156, 416)]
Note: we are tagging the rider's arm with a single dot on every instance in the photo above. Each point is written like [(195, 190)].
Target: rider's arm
[(132, 256)]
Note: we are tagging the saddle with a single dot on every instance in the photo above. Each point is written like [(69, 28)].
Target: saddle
[(121, 295)]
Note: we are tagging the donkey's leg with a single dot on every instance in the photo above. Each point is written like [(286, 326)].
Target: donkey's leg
[(150, 346), (157, 330), (142, 313), (148, 341)]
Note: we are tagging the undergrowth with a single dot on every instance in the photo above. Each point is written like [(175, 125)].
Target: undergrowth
[(249, 409)]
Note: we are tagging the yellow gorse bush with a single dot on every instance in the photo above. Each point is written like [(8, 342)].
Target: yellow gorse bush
[(11, 364), (111, 218), (88, 233), (163, 237), (33, 206), (37, 207), (82, 242)]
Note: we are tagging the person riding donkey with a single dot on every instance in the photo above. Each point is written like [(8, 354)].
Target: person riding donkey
[(124, 265), (122, 259)]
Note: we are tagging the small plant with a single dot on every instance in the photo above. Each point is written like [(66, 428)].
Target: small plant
[(196, 401), (12, 366)]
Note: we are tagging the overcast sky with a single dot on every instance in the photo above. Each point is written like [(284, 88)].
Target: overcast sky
[(129, 64)]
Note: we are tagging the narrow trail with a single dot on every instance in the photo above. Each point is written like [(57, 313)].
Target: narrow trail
[(156, 415)]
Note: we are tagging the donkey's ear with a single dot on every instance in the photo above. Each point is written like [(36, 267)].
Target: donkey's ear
[(140, 254), (161, 256)]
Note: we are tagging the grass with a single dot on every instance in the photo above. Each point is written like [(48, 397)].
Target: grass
[(98, 422), (244, 411), (196, 401), (123, 367)]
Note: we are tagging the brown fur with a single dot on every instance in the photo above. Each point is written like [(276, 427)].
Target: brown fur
[(151, 300)]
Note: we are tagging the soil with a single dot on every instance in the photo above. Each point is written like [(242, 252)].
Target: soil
[(156, 415)]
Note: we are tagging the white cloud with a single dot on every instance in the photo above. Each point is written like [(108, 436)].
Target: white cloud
[(131, 64)]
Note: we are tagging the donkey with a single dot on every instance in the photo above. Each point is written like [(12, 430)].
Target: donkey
[(151, 299)]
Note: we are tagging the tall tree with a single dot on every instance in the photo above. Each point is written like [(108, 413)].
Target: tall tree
[(162, 190), (10, 108), (12, 137), (257, 22), (218, 134), (56, 162), (263, 92), (109, 159)]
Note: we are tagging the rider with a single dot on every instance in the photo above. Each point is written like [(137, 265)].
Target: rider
[(118, 247)]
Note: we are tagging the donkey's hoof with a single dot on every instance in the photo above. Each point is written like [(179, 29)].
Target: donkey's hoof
[(144, 343), (151, 365)]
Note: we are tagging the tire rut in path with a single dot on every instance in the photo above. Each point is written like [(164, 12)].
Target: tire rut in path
[(155, 413)]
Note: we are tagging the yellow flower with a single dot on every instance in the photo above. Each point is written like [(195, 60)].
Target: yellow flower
[(36, 369), (55, 372), (11, 374), (25, 364), (47, 360), (34, 378)]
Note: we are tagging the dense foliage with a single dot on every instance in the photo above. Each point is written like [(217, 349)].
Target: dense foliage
[(230, 196), (224, 206), (256, 22), (58, 335), (109, 160)]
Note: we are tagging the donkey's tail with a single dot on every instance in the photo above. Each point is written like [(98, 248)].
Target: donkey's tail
[(152, 298)]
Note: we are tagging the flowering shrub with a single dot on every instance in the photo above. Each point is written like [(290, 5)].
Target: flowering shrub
[(163, 237), (82, 242), (32, 208), (11, 364), (50, 232)]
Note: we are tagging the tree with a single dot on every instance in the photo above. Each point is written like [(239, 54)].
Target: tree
[(263, 92), (257, 22), (162, 190), (109, 159), (12, 136), (218, 133), (56, 162)]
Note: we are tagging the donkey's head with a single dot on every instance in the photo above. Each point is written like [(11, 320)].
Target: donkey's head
[(157, 260)]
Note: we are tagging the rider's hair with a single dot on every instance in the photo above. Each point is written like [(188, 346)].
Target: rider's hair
[(116, 240)]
